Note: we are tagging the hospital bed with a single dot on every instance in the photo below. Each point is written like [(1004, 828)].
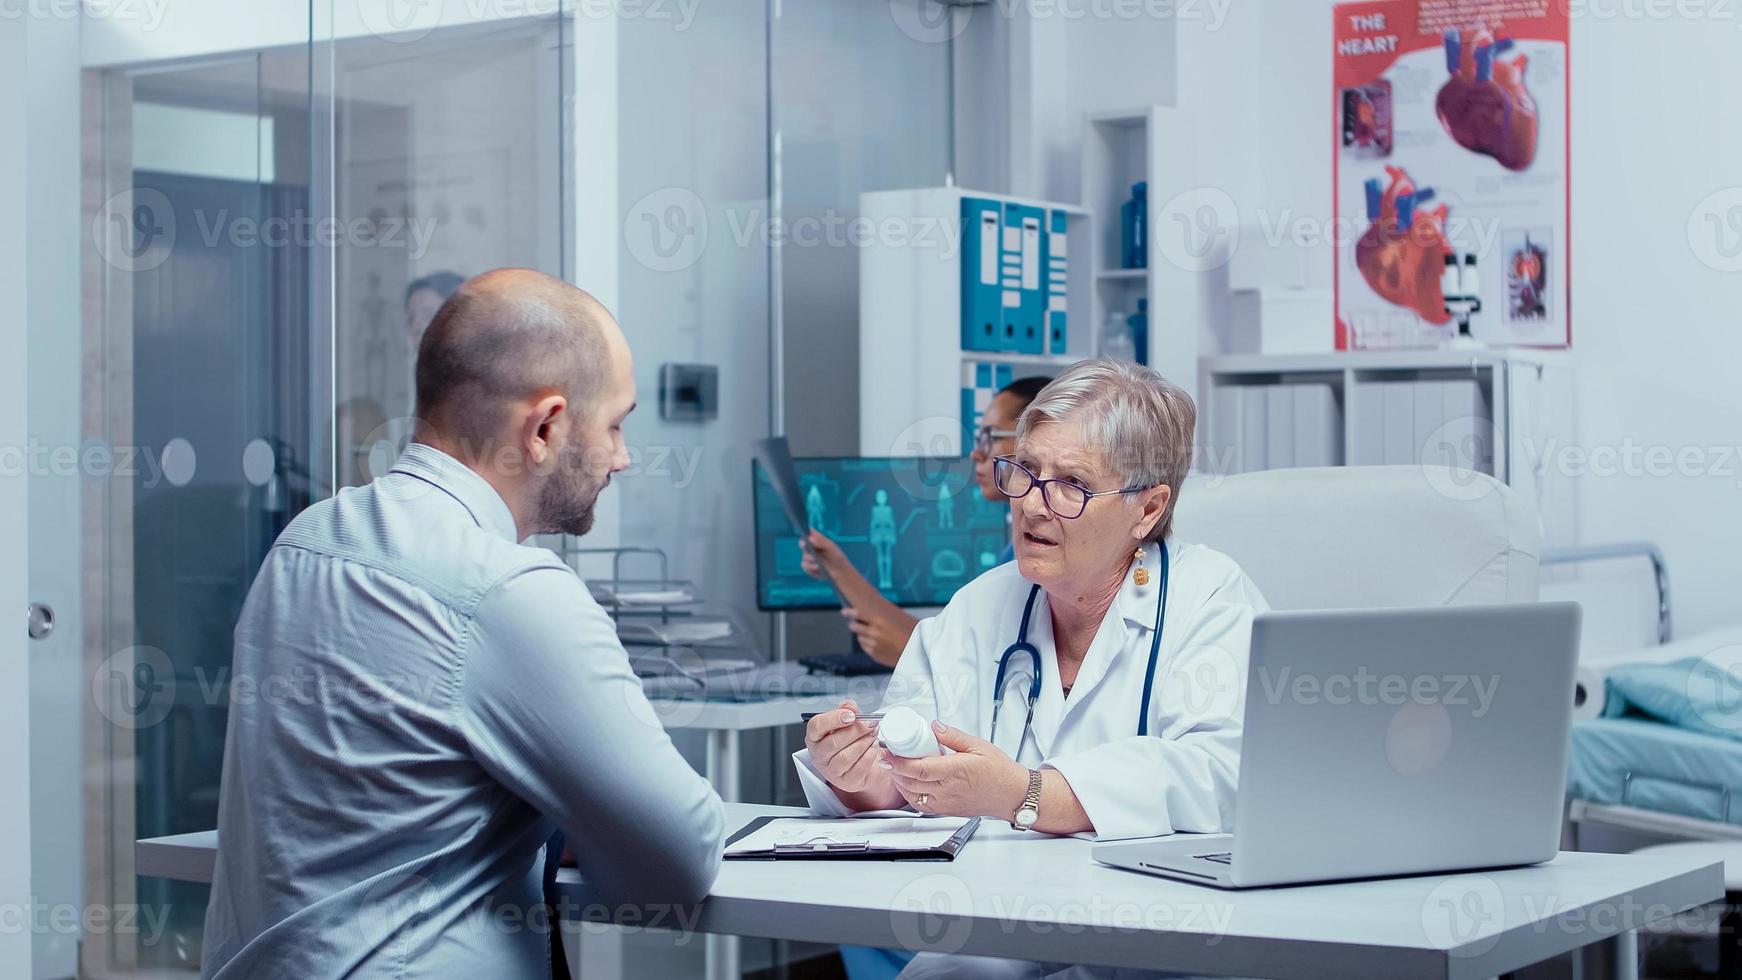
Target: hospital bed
[(1640, 773), (1655, 755)]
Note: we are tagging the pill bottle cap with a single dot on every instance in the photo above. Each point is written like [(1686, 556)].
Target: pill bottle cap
[(906, 733)]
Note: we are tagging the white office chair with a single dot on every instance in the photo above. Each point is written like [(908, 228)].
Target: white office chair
[(1368, 536)]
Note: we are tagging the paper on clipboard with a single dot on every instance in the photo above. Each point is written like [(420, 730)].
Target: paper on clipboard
[(800, 834)]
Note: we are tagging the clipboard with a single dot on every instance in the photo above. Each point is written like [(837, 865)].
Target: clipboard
[(823, 849)]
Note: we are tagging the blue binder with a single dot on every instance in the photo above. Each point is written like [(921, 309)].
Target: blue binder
[(1057, 286), (1024, 279), (981, 382), (982, 295)]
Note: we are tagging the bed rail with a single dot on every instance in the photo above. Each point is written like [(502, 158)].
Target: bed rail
[(1632, 818), (1622, 550)]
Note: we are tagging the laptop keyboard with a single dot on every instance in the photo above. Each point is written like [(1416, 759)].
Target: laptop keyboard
[(1226, 857)]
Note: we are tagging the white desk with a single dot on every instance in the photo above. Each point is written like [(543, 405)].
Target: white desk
[(1043, 898), (770, 697)]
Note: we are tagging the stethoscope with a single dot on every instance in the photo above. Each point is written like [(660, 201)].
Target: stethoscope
[(1023, 646)]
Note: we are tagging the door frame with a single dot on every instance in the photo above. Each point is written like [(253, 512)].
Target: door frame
[(57, 478), (15, 880), (107, 515)]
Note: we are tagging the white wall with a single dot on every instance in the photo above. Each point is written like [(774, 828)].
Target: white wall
[(981, 74), (1656, 341), (1654, 328), (1069, 58), (691, 149), (861, 105)]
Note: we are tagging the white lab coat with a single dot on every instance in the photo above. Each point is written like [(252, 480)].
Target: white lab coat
[(1182, 775)]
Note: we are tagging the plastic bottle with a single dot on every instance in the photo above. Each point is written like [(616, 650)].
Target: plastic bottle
[(1134, 228), (1140, 331), (1116, 341), (905, 733)]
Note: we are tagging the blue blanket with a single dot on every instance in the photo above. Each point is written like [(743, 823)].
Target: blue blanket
[(1642, 762)]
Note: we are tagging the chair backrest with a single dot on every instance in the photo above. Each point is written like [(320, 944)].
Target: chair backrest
[(1368, 536)]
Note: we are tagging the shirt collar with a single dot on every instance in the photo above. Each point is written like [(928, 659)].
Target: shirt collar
[(459, 481)]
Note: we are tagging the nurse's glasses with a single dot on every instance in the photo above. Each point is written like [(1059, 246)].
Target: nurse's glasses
[(1064, 498), (985, 435)]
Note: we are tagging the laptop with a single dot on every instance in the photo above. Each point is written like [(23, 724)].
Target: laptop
[(1390, 742)]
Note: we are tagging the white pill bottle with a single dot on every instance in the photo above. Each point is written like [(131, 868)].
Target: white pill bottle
[(905, 733)]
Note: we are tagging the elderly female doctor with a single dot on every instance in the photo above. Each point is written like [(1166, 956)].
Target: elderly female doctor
[(1094, 685)]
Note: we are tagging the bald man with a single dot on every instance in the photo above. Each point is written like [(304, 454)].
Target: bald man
[(419, 699)]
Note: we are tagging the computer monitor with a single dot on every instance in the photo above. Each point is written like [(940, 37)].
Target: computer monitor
[(917, 528)]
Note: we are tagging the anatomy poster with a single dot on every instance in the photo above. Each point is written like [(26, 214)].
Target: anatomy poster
[(1451, 173)]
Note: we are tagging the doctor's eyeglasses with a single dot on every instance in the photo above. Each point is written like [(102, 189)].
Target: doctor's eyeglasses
[(1065, 499)]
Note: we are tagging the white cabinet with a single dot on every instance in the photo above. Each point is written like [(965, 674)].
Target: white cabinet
[(1503, 413), (1189, 236)]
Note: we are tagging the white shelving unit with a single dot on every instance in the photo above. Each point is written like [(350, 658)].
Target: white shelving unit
[(1500, 412), (1153, 144), (911, 358)]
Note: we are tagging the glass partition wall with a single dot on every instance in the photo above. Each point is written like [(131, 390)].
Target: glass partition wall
[(271, 227), (271, 230), (446, 161), (198, 352)]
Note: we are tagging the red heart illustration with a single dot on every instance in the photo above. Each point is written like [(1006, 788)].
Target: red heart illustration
[(1403, 253), (1485, 106)]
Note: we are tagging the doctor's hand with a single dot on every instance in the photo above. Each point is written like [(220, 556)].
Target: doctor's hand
[(843, 748), (978, 780), (882, 627)]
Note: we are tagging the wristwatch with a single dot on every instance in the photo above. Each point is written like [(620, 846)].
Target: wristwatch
[(1029, 812)]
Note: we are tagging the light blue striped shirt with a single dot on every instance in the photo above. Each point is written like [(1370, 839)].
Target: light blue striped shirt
[(416, 699)]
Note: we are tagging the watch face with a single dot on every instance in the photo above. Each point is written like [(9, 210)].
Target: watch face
[(1025, 818)]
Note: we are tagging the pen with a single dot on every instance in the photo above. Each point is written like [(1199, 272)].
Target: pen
[(807, 716)]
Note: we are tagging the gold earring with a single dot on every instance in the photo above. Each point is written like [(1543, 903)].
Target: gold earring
[(1141, 575)]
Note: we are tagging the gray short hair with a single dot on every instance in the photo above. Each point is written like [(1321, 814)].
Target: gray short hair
[(1142, 423)]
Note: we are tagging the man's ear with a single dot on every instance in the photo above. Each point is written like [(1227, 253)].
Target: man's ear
[(548, 412), (1155, 501)]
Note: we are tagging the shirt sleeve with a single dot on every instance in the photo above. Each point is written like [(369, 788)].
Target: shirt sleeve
[(553, 711), (1183, 775)]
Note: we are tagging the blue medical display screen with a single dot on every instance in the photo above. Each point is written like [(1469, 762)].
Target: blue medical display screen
[(917, 528)]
